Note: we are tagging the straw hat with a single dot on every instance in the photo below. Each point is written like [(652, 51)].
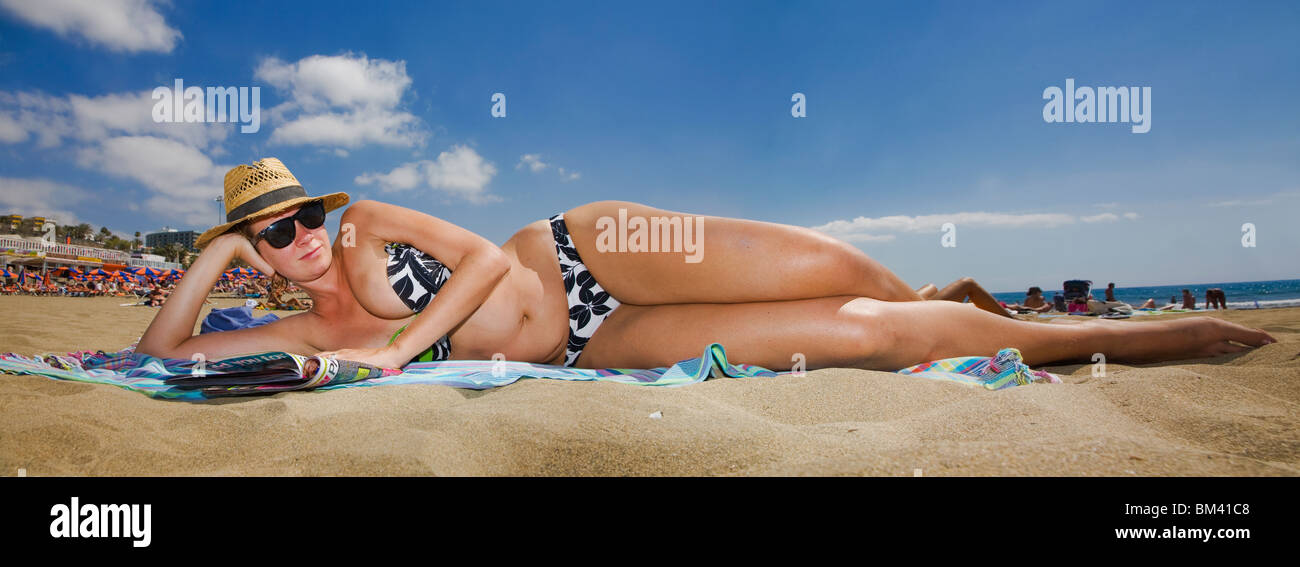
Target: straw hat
[(261, 190)]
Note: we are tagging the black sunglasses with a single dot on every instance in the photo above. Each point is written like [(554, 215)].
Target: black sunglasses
[(282, 232)]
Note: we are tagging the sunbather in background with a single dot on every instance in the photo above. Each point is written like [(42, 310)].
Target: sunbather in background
[(275, 297), (1034, 301)]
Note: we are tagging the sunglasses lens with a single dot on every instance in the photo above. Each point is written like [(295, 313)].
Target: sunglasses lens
[(281, 233), (312, 215)]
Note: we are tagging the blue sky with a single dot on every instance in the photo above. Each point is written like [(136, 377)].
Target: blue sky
[(917, 114)]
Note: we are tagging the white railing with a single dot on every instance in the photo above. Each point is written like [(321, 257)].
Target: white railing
[(138, 263), (25, 245)]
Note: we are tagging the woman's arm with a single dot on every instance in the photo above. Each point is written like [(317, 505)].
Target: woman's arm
[(477, 267), (171, 334)]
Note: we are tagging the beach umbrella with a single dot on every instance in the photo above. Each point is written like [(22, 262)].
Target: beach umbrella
[(243, 274), (146, 271), (7, 274)]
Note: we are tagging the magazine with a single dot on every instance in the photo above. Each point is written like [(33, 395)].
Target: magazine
[(271, 372)]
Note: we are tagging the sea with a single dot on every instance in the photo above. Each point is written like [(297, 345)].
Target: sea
[(1240, 295)]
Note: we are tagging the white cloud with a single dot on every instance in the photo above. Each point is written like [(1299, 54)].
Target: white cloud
[(115, 134), (1239, 202), (568, 176), (864, 229), (132, 114), (120, 25), (343, 101), (1266, 200), (404, 177), (535, 164), (11, 132), (1104, 217), (91, 119), (859, 237), (532, 161), (460, 172), (47, 118), (182, 179), (41, 197), (883, 229)]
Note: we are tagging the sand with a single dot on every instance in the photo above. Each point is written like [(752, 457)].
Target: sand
[(1232, 415)]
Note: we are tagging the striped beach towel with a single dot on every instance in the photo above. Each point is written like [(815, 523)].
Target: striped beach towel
[(146, 374), (1003, 370)]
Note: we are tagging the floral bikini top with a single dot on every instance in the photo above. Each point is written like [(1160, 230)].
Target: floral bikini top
[(416, 277)]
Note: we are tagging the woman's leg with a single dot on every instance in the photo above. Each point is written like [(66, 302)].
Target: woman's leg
[(739, 261), (881, 335), (966, 288)]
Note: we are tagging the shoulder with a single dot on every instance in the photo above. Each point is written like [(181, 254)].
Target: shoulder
[(370, 218), (366, 208)]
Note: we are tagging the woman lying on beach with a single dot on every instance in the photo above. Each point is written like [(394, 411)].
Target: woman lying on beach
[(398, 285)]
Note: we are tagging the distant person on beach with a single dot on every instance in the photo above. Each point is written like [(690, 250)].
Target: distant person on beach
[(1034, 301), (1216, 298), (275, 297), (1150, 303), (401, 285), (1189, 302), (156, 297)]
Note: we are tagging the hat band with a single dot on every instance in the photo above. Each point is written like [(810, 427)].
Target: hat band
[(265, 200)]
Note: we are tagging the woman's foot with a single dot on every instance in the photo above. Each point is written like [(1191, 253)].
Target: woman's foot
[(1193, 337)]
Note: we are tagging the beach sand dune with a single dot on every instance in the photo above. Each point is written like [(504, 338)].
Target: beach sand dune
[(1231, 415)]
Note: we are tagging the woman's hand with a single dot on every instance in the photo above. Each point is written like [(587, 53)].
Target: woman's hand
[(240, 247), (170, 334), (385, 357)]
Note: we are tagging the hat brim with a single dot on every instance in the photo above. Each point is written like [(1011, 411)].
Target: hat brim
[(332, 201)]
